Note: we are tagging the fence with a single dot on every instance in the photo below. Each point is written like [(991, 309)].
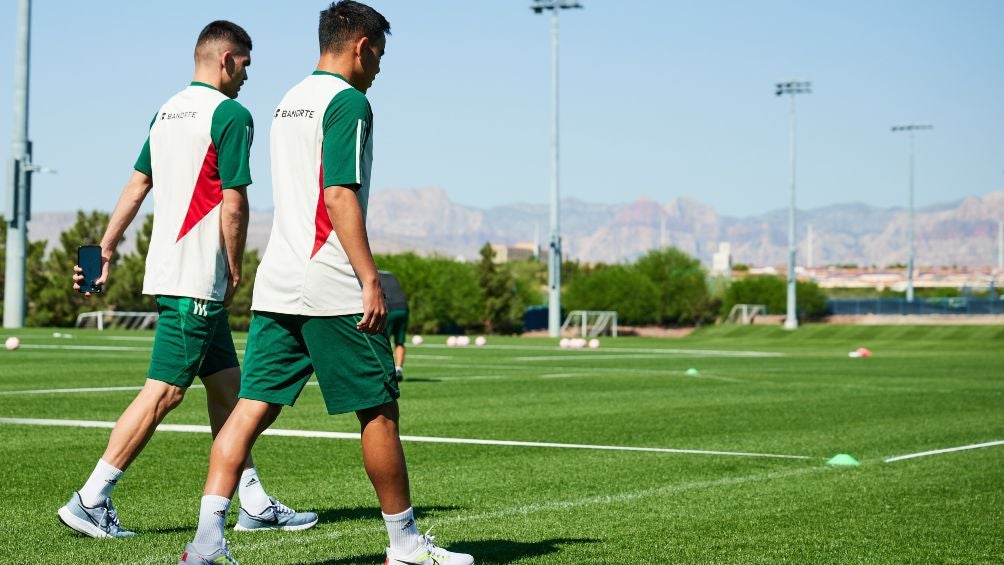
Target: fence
[(962, 306)]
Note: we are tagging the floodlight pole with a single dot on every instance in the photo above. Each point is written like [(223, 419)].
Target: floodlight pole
[(792, 88), (909, 263), (554, 257), (19, 179)]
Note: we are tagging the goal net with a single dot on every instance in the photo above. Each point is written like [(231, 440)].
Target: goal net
[(744, 313), (112, 319), (591, 323)]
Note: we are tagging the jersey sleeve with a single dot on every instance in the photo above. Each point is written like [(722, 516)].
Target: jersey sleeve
[(232, 134), (143, 161), (347, 125)]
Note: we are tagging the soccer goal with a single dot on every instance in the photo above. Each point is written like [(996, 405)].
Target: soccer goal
[(591, 323), (744, 313), (118, 320)]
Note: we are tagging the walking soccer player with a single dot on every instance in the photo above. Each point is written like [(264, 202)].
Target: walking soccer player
[(195, 162), (318, 304)]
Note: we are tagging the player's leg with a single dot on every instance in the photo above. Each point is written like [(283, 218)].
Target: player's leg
[(397, 325), (355, 374), (276, 368), (179, 346)]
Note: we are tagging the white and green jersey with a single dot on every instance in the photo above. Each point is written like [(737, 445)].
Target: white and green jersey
[(321, 136), (198, 146)]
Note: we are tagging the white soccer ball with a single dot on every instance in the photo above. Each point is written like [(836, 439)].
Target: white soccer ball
[(480, 341), (594, 343), (578, 343), (12, 343), (564, 343), (416, 340), (463, 341), (451, 341)]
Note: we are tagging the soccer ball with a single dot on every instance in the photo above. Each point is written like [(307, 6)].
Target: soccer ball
[(594, 343), (451, 341), (12, 343), (578, 343), (416, 340), (564, 343), (463, 341), (480, 341)]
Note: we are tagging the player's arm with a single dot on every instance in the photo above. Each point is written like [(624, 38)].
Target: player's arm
[(233, 132), (234, 226), (346, 217), (130, 200)]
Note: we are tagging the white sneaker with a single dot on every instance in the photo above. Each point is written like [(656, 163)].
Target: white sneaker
[(428, 553)]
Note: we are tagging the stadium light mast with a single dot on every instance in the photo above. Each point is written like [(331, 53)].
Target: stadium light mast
[(554, 257), (909, 236), (791, 89), (19, 179)]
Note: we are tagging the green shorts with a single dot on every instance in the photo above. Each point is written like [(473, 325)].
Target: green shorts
[(397, 324), (193, 338), (355, 370)]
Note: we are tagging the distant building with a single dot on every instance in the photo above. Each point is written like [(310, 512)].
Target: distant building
[(721, 261), (515, 252)]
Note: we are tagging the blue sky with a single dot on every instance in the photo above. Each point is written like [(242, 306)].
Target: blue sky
[(660, 99)]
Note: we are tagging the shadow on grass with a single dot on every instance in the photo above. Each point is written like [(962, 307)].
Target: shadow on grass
[(372, 512), (484, 552), (329, 516)]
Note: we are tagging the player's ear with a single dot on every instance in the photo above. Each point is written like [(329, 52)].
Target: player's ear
[(227, 62), (361, 45)]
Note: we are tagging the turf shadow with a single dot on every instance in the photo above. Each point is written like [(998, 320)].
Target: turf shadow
[(369, 512), (484, 552)]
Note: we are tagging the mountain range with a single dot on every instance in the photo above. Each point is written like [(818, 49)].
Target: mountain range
[(962, 233)]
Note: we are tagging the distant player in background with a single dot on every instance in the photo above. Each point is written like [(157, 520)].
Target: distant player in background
[(397, 319), (195, 162)]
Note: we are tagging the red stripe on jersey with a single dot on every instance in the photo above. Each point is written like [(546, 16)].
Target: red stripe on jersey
[(322, 222), (207, 195)]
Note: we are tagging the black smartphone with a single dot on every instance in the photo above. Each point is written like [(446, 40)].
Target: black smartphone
[(89, 260)]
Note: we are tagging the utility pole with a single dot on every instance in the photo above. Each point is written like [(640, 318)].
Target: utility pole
[(792, 88), (19, 179), (554, 257), (909, 263)]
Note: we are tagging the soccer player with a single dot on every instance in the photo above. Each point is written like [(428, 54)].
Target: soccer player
[(195, 161), (397, 319), (318, 304)]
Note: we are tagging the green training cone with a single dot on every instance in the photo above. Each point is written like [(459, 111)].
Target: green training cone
[(843, 460), (692, 371)]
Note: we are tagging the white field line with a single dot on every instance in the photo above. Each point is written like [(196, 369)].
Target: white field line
[(946, 450), (94, 389), (417, 439), (650, 355), (86, 347), (673, 351), (492, 518)]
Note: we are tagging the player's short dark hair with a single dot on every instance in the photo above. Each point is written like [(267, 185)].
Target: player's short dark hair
[(347, 20), (222, 30)]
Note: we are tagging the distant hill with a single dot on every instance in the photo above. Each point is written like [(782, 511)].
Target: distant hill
[(962, 233)]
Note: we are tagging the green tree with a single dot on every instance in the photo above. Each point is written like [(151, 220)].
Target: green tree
[(681, 281), (443, 294), (503, 310), (616, 287), (772, 291)]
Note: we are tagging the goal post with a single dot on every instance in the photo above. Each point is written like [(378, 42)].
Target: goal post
[(103, 319), (591, 323), (745, 313)]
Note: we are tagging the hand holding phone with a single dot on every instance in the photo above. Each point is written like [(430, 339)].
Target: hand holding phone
[(90, 265)]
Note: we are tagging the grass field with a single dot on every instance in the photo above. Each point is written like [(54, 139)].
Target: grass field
[(760, 393)]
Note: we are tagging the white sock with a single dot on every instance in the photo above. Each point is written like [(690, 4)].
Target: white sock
[(254, 499), (402, 531), (100, 484), (212, 520)]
